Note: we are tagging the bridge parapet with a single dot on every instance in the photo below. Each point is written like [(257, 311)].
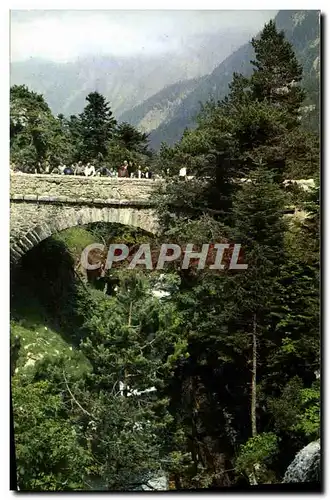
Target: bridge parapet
[(79, 189)]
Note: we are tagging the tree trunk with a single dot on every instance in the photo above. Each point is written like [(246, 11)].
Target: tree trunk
[(126, 374), (130, 313), (254, 378), (252, 476)]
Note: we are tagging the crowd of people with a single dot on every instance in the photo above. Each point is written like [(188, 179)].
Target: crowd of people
[(88, 170), (127, 169)]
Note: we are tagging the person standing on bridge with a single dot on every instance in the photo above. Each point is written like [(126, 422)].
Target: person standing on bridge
[(61, 168), (123, 170), (79, 170), (68, 171), (89, 170), (183, 173), (47, 167), (103, 171)]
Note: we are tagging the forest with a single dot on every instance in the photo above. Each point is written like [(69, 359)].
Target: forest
[(40, 141), (185, 378)]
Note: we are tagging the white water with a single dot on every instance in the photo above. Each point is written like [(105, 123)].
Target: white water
[(306, 465)]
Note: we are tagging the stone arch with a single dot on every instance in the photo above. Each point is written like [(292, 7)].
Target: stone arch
[(143, 218)]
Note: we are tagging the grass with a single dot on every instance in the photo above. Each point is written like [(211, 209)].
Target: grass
[(38, 341), (39, 337), (76, 239)]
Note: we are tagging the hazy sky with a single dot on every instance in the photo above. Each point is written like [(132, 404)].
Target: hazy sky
[(63, 35)]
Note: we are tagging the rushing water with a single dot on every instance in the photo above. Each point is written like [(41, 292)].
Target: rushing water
[(306, 465)]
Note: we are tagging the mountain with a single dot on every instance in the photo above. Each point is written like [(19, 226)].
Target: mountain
[(302, 28), (124, 81), (159, 108), (162, 94)]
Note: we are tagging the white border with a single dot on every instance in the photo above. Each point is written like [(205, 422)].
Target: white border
[(166, 5), (4, 183)]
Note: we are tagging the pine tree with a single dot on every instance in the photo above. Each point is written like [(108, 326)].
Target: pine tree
[(267, 107), (297, 347), (96, 127), (132, 345), (231, 322), (258, 122), (130, 138), (277, 73), (259, 227), (129, 144)]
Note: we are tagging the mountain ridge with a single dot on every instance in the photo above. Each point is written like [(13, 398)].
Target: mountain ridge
[(124, 81), (162, 95), (302, 29)]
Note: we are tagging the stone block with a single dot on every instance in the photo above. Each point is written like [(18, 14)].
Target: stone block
[(30, 197)]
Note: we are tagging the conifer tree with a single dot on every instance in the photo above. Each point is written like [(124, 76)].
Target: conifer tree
[(254, 134), (96, 127), (130, 138), (277, 73), (259, 227), (132, 345)]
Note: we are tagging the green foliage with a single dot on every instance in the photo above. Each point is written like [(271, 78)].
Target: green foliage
[(309, 422), (40, 141), (277, 72), (76, 239), (36, 136), (297, 410), (129, 144), (96, 128), (132, 346), (256, 454), (196, 347), (137, 327), (242, 131), (130, 138), (121, 439), (254, 134), (49, 453)]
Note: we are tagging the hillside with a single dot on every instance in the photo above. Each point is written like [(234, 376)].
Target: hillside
[(40, 335), (124, 81), (301, 28), (160, 107)]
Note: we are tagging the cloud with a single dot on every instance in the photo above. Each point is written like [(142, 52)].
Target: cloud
[(65, 35)]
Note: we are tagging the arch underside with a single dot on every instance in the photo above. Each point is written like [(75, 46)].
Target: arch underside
[(143, 218)]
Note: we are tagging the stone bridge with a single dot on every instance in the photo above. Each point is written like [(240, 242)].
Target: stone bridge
[(41, 205)]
